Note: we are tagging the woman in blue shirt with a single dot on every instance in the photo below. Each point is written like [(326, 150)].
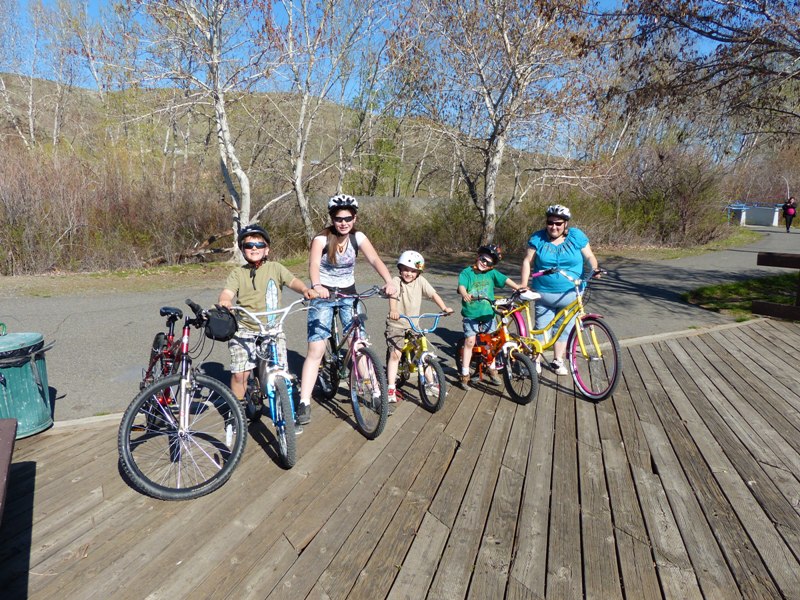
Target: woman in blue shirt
[(557, 245)]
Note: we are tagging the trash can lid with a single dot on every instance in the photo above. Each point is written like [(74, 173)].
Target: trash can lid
[(12, 343)]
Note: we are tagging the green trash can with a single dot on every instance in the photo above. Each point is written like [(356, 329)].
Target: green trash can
[(24, 392)]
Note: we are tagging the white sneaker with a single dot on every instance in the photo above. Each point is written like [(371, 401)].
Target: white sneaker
[(538, 362), (558, 367)]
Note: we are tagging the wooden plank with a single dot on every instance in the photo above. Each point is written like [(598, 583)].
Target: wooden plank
[(417, 571), (746, 565), (779, 311), (492, 567), (750, 492), (636, 560), (446, 504), (529, 567), (564, 577), (8, 434), (455, 568), (778, 259), (601, 574), (382, 459), (395, 546), (346, 567), (519, 442)]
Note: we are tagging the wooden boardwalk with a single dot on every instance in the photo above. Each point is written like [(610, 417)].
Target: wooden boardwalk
[(685, 484)]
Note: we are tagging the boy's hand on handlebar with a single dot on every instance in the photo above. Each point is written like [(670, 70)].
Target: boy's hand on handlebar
[(310, 294), (467, 297), (394, 315), (389, 290)]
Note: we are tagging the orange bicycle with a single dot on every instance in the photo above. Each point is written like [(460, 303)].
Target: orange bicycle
[(507, 355)]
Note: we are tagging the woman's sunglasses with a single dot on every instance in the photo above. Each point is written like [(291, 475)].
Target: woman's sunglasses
[(343, 219), (555, 223), (254, 245)]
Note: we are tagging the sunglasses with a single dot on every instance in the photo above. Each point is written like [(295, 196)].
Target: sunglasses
[(343, 219), (555, 223), (254, 245), (487, 261)]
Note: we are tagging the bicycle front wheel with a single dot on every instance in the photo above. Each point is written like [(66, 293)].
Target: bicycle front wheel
[(170, 463), (432, 385), (368, 393), (594, 357), (520, 378), (284, 424)]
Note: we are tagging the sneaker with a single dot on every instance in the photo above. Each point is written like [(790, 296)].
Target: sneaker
[(494, 377), (463, 382), (538, 362), (558, 367), (303, 415)]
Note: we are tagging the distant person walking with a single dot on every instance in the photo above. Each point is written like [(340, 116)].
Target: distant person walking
[(789, 210)]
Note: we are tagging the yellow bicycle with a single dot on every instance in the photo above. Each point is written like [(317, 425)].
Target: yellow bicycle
[(417, 356), (592, 348)]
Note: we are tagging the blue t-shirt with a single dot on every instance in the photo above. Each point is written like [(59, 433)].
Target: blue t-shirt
[(567, 256)]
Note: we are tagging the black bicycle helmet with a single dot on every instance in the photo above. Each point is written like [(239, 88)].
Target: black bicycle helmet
[(252, 229), (492, 250), (342, 201)]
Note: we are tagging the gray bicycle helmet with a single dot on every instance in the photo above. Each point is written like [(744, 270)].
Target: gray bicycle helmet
[(342, 201), (252, 229)]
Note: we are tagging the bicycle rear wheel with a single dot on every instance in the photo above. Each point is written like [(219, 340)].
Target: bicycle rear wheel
[(432, 385), (167, 463), (368, 393), (594, 357), (328, 378), (284, 424), (519, 375)]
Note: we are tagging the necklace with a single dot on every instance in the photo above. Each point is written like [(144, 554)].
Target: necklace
[(341, 247)]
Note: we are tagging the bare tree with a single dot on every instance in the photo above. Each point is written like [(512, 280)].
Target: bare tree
[(491, 68)]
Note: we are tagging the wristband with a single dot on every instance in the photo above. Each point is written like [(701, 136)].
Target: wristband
[(313, 285)]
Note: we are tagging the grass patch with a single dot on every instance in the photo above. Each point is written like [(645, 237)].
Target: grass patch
[(736, 299), (741, 236)]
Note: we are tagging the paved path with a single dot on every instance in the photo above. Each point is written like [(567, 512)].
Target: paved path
[(102, 339)]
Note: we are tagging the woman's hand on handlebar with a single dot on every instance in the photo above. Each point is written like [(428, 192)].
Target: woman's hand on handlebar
[(322, 292), (447, 311)]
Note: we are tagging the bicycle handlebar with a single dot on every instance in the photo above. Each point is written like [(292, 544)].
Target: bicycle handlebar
[(366, 294), (271, 329), (201, 315), (576, 281), (434, 316)]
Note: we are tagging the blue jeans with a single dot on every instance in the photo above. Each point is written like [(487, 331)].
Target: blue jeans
[(320, 317), (547, 307)]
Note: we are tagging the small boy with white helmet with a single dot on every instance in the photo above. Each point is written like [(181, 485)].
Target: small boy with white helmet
[(411, 287)]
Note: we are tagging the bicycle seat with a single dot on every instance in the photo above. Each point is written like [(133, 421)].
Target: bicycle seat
[(170, 311), (530, 295)]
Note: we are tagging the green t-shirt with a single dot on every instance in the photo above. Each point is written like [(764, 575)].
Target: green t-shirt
[(480, 284), (262, 292)]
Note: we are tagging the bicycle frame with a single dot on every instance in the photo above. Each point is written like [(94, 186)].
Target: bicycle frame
[(352, 336), (270, 363), (416, 347), (575, 309)]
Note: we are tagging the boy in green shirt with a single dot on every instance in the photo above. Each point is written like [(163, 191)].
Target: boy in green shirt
[(480, 280)]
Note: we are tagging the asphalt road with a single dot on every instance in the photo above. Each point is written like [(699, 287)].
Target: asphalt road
[(102, 340)]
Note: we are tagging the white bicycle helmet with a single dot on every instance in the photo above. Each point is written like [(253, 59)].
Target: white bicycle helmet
[(342, 201), (411, 259), (558, 210)]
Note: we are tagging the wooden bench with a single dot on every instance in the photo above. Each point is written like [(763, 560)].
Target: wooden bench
[(8, 433), (771, 309)]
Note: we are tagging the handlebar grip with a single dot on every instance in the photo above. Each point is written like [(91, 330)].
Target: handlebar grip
[(196, 308)]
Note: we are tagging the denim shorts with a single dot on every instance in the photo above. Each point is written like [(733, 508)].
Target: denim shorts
[(473, 327), (548, 305), (320, 317)]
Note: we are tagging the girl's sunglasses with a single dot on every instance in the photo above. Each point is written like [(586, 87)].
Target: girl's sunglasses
[(254, 245), (343, 219)]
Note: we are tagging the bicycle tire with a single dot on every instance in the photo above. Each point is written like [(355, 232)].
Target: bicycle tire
[(595, 374), (370, 404), (328, 378), (432, 385), (284, 424), (520, 378), (166, 464)]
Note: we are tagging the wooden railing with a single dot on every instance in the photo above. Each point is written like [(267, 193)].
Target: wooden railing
[(772, 309)]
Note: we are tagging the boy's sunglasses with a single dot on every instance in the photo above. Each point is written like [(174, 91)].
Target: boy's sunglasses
[(253, 245), (343, 219), (486, 260)]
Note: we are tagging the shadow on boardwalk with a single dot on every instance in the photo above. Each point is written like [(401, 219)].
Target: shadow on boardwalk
[(683, 485)]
